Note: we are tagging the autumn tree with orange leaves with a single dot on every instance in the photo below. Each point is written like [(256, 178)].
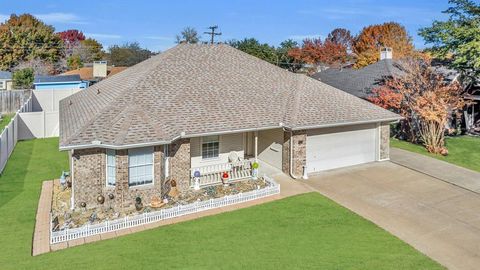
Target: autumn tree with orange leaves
[(425, 100), (371, 39), (332, 51)]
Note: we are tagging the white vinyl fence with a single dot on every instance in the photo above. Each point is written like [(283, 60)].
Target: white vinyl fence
[(9, 135), (145, 218)]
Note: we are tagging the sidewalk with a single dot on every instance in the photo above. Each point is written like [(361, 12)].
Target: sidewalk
[(439, 169)]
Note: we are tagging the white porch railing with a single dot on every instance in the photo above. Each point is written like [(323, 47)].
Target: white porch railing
[(212, 174), (127, 222)]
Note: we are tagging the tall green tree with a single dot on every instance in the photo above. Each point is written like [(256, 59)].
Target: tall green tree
[(128, 54), (255, 48), (458, 37), (188, 35), (23, 78), (285, 60), (24, 37)]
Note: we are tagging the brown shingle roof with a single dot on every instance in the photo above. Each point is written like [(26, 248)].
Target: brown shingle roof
[(86, 73), (191, 90)]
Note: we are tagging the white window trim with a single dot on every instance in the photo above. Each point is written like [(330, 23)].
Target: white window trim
[(106, 167), (211, 158), (153, 170)]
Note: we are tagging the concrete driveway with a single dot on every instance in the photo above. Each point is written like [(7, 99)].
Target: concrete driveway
[(437, 218)]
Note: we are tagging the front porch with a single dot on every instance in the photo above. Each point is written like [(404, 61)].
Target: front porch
[(234, 155)]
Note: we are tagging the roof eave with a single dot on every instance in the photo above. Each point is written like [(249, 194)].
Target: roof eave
[(392, 119)]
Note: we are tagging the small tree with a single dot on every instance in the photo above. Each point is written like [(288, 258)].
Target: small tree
[(188, 35), (23, 78), (426, 101), (74, 62)]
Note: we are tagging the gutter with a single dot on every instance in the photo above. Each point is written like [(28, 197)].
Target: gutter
[(347, 123), (99, 144)]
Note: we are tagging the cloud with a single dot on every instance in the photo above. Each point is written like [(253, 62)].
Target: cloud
[(103, 36), (385, 11), (60, 17), (163, 38), (4, 17), (302, 37)]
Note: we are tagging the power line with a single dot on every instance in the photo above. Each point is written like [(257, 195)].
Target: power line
[(212, 33)]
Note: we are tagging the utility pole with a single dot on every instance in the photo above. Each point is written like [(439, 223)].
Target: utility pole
[(212, 33)]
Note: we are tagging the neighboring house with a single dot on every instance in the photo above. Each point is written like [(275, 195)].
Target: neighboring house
[(95, 72), (361, 82), (59, 82), (6, 82), (198, 107)]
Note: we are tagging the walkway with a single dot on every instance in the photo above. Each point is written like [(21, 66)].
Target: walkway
[(439, 169)]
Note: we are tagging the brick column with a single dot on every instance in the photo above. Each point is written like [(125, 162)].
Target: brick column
[(180, 162), (384, 141), (88, 175), (299, 152)]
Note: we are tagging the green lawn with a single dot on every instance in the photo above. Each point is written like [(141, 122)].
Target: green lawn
[(5, 121), (463, 151), (302, 232)]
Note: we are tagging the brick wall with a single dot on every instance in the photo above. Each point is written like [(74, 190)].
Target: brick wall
[(299, 152), (384, 141), (180, 163), (89, 169)]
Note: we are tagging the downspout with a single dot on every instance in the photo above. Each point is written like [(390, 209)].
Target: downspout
[(291, 156), (72, 198)]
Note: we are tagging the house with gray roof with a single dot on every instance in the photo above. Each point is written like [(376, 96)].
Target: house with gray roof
[(197, 110), (360, 82), (6, 82)]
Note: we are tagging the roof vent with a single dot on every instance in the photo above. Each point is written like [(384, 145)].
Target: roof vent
[(96, 142)]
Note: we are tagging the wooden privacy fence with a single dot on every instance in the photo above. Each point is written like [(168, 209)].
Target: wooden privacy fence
[(9, 135), (12, 100)]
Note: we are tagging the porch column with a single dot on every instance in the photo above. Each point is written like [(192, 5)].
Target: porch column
[(256, 146)]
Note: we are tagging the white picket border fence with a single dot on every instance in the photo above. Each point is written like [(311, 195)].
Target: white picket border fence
[(163, 214)]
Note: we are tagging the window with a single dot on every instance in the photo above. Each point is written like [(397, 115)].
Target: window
[(210, 147), (140, 166), (110, 167), (2, 84)]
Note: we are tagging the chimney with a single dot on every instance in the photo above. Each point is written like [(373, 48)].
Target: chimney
[(100, 69), (386, 53)]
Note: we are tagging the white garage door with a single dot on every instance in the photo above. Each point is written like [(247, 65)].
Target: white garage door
[(331, 148)]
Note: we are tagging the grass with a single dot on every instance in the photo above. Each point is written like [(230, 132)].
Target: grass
[(463, 151), (5, 121), (301, 232)]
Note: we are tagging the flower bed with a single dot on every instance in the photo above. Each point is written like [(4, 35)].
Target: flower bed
[(64, 218), (175, 209)]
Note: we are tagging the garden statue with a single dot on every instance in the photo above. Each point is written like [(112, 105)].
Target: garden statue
[(138, 203), (196, 176)]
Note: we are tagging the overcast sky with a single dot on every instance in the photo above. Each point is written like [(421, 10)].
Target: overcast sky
[(154, 24)]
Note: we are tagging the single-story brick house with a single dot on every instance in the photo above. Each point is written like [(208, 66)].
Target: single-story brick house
[(195, 107)]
